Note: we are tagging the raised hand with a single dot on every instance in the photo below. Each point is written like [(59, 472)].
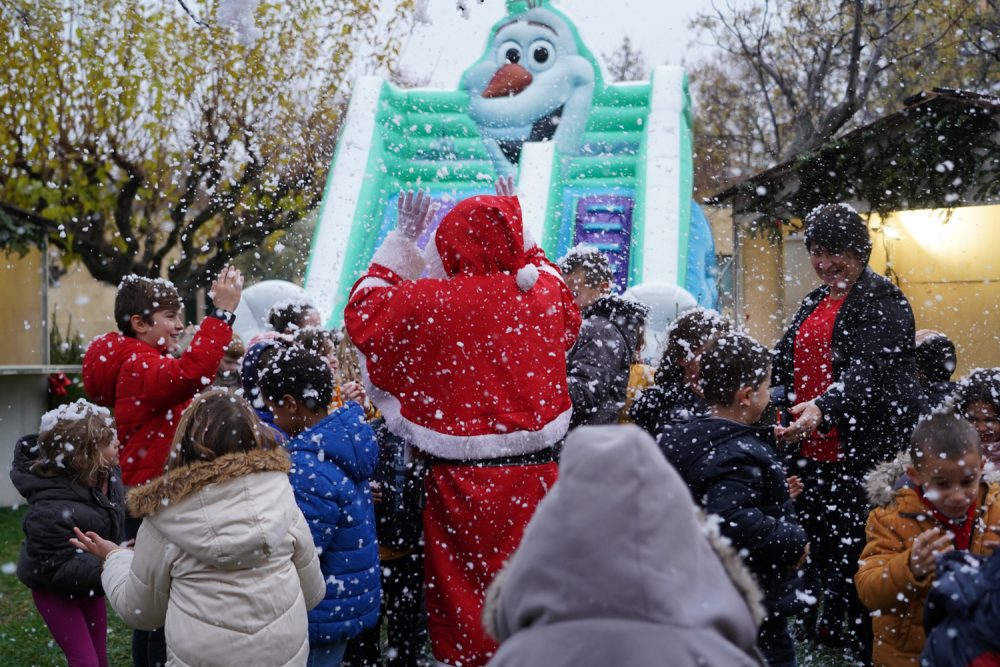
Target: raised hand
[(505, 187), (926, 546), (415, 213), (353, 391), (227, 289)]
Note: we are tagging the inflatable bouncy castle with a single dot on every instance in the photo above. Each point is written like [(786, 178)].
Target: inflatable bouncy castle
[(598, 163)]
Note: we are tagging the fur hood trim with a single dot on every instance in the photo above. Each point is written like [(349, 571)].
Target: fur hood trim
[(882, 482), (179, 483), (737, 571)]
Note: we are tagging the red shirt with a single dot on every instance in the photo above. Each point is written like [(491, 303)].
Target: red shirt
[(813, 373)]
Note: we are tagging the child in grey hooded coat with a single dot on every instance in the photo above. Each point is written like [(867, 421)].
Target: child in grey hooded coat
[(618, 568)]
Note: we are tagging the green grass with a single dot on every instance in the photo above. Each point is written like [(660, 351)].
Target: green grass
[(25, 641), (24, 638)]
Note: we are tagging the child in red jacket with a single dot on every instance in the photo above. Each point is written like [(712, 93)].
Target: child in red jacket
[(132, 373)]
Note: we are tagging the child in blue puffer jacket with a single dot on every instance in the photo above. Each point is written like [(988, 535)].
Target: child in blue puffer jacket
[(333, 458)]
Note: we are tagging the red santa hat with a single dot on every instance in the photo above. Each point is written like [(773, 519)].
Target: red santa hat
[(484, 236), (471, 366)]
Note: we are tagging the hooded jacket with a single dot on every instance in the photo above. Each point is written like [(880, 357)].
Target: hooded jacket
[(332, 463), (665, 402), (148, 391), (599, 363), (963, 613), (617, 568), (48, 562), (733, 472), (224, 558), (874, 399), (469, 365), (884, 580)]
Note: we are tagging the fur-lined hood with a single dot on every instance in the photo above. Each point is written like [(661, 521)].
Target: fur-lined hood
[(888, 477), (230, 513), (619, 540), (179, 483)]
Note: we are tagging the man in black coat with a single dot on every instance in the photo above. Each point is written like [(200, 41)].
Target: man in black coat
[(598, 365)]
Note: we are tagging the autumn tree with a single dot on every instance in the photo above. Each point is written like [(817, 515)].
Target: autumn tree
[(795, 73), (148, 142)]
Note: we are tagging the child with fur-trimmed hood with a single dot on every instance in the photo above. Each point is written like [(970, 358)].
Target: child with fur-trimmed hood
[(224, 558), (942, 504)]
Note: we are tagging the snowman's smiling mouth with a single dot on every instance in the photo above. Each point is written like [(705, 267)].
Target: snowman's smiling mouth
[(542, 129)]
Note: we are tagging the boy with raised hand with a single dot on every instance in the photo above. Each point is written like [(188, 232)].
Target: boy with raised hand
[(132, 372), (733, 471), (943, 505), (333, 456)]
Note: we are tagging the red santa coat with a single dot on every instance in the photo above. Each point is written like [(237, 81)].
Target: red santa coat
[(471, 366), (468, 367), (148, 391)]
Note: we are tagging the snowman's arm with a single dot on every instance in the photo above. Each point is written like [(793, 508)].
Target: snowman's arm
[(500, 162), (573, 123)]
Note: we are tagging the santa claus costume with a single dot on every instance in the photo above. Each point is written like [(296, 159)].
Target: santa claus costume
[(469, 365)]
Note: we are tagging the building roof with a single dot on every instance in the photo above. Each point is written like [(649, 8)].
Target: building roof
[(937, 103)]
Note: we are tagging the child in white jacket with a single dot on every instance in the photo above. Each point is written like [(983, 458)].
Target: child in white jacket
[(224, 557)]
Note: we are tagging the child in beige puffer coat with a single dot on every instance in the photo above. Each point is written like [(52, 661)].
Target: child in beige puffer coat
[(224, 557)]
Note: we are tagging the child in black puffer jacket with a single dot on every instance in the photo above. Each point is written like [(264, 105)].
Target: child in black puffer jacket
[(734, 473), (70, 477), (963, 612)]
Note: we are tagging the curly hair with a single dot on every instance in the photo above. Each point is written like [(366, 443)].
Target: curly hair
[(70, 441), (596, 268)]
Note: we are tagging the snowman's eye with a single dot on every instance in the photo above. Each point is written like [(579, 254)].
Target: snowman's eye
[(509, 52), (542, 54)]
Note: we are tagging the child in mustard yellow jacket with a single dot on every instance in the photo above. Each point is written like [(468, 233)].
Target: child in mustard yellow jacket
[(942, 504)]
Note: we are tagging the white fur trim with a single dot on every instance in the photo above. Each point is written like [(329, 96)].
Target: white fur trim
[(461, 447), (372, 281), (527, 276), (432, 259), (548, 269), (400, 255), (529, 241)]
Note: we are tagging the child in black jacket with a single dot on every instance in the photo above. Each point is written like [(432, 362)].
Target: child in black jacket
[(733, 472), (69, 474), (963, 612)]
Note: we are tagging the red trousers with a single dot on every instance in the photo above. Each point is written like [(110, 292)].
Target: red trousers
[(473, 521)]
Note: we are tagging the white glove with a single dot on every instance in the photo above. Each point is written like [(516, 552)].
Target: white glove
[(415, 213), (505, 187)]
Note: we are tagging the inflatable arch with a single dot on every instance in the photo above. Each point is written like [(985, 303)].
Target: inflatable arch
[(598, 163)]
